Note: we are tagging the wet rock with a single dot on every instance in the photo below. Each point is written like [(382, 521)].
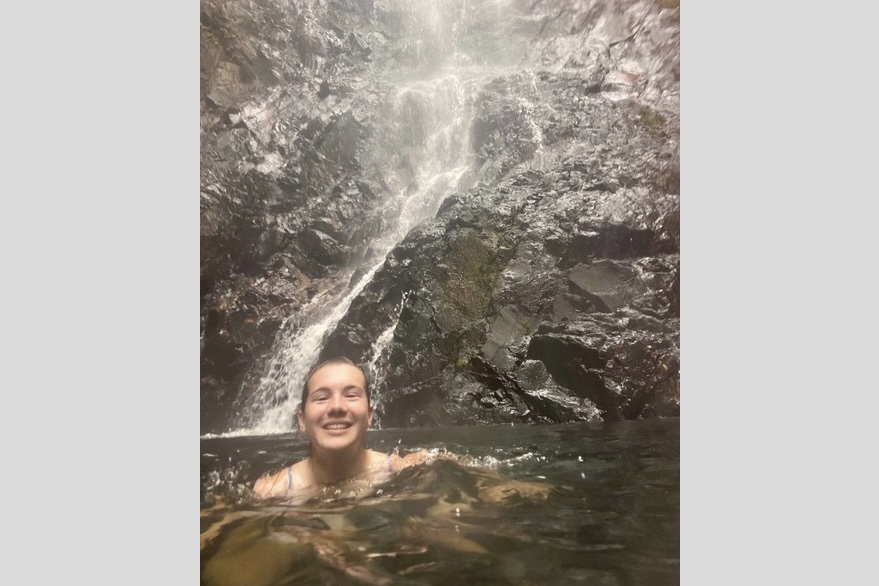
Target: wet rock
[(546, 289)]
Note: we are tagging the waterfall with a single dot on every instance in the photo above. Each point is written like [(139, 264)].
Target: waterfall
[(433, 117), (378, 353), (362, 128), (427, 120)]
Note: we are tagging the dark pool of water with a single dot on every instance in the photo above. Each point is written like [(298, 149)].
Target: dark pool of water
[(588, 503)]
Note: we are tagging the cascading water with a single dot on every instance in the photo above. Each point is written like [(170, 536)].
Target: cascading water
[(555, 82), (378, 351), (432, 117)]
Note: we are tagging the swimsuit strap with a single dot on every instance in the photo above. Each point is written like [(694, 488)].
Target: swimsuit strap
[(388, 460), (289, 477)]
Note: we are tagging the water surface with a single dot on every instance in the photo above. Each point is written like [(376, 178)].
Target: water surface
[(590, 503)]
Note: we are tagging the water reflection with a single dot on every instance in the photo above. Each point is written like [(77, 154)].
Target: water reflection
[(579, 503)]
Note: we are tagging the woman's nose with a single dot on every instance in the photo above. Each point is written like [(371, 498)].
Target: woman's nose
[(337, 403)]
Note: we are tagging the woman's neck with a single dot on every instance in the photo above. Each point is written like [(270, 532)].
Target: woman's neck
[(335, 467)]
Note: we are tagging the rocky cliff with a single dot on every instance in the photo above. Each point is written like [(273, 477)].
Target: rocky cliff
[(541, 285)]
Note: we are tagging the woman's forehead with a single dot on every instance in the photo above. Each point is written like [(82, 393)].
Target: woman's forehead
[(337, 375)]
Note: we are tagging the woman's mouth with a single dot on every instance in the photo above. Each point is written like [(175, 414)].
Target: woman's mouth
[(336, 425)]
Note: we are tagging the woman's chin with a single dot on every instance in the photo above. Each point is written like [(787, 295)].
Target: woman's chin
[(335, 441)]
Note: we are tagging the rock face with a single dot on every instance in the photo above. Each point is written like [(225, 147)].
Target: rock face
[(540, 143)]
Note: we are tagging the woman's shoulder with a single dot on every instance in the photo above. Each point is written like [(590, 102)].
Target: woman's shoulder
[(283, 481), (271, 483), (393, 462), (376, 460), (414, 458)]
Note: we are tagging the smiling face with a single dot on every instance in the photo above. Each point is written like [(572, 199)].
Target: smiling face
[(336, 412)]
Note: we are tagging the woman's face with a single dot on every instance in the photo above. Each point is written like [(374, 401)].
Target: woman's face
[(336, 413)]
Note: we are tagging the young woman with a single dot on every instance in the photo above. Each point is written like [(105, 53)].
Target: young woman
[(335, 413)]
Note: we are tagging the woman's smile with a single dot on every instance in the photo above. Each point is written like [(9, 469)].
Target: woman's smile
[(337, 426)]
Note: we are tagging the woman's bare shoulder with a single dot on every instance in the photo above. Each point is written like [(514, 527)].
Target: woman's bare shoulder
[(384, 461), (411, 459), (416, 457), (285, 480), (271, 483), (377, 459)]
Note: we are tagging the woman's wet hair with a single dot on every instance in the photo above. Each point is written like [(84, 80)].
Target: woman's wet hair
[(328, 362)]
